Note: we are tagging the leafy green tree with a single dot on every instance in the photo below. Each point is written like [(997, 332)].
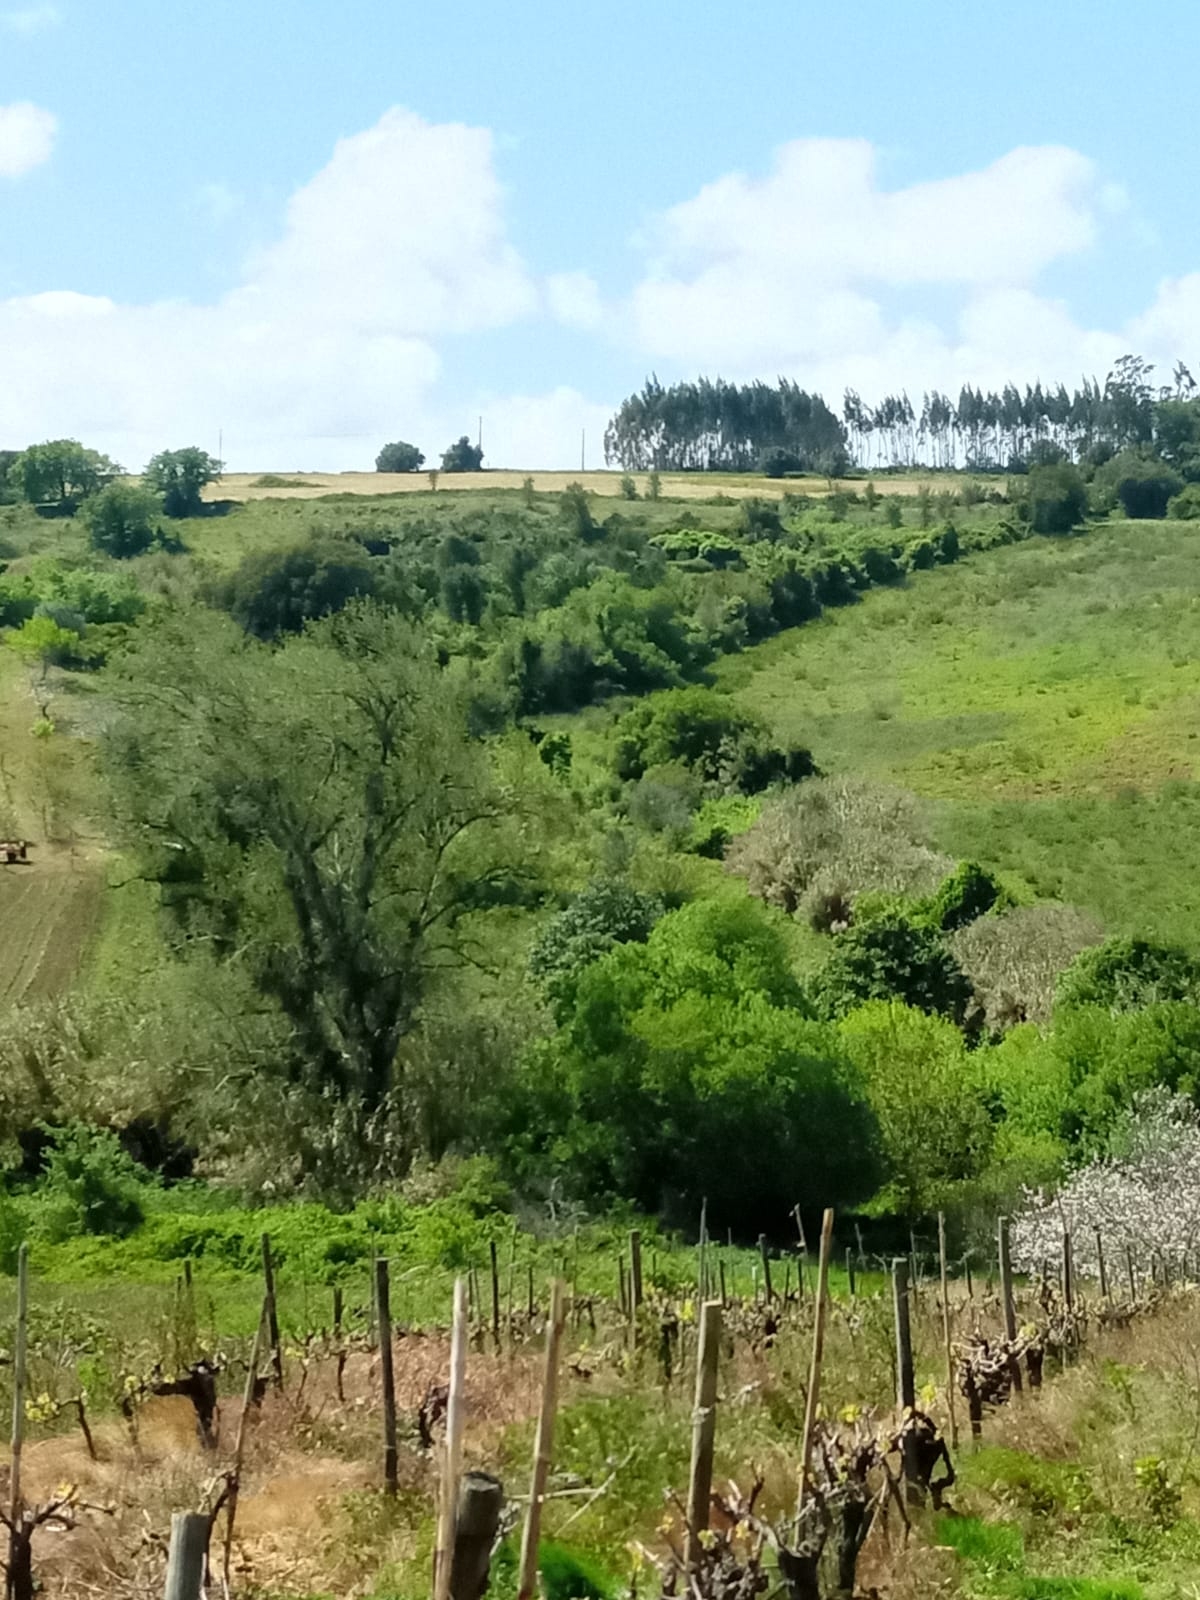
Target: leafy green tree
[(1144, 488), (607, 912), (1126, 974), (707, 732), (90, 1186), (276, 592), (968, 892), (59, 472), (1177, 436), (123, 520), (320, 822), (42, 643), (399, 457), (462, 456), (891, 958), (923, 1086), (179, 476), (576, 512), (1056, 499)]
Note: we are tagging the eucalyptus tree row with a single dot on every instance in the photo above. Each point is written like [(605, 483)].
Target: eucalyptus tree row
[(719, 426)]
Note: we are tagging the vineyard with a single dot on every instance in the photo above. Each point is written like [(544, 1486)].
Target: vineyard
[(836, 1439)]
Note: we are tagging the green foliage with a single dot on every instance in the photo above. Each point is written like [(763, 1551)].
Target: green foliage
[(628, 487), (123, 520), (44, 642), (1126, 974), (891, 957), (607, 912), (570, 1575), (1056, 499), (575, 509), (399, 457), (462, 456), (719, 820), (706, 732), (59, 472), (178, 476), (1185, 506), (968, 892), (276, 592), (90, 1185), (1144, 487), (686, 1069)]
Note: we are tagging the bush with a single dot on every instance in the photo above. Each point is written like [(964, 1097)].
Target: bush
[(123, 521), (1127, 974), (274, 592), (891, 958), (399, 457), (607, 912), (462, 456), (1186, 504), (759, 519), (1056, 500), (179, 476), (778, 461), (90, 1186), (709, 734), (968, 892), (1145, 488), (1015, 959)]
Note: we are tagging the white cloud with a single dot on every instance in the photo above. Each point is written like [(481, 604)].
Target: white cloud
[(545, 430), (218, 202), (30, 20), (324, 349), (27, 134), (574, 300)]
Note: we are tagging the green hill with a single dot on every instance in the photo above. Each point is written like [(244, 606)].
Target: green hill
[(1045, 697)]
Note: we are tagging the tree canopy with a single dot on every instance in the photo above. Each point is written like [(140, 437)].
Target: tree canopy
[(462, 456), (399, 457), (179, 476), (60, 471)]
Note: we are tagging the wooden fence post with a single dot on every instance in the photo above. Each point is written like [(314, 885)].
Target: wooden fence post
[(635, 1269), (906, 1393), (476, 1521), (1100, 1266), (818, 1352), (495, 1294), (187, 1557), (272, 1313), (383, 1313), (850, 1271), (544, 1448), (1132, 1275), (766, 1267), (1004, 1254), (20, 1353), (946, 1329), (452, 1458), (1068, 1273), (704, 1428)]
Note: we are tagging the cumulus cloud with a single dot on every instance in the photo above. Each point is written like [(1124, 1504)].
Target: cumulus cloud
[(812, 269), (547, 430), (30, 20), (574, 300), (27, 134), (327, 345)]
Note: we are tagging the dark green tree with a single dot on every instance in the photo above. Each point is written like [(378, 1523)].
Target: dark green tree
[(462, 456), (399, 457), (123, 520), (59, 472), (179, 476), (1056, 499), (891, 957), (1126, 974), (275, 592)]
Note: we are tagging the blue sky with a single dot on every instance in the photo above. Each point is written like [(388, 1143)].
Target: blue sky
[(316, 227)]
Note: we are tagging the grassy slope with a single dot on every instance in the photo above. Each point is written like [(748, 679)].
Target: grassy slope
[(1045, 697)]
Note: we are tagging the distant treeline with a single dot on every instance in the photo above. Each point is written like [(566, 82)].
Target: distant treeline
[(716, 426)]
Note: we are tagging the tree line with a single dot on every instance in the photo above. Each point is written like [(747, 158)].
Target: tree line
[(716, 426)]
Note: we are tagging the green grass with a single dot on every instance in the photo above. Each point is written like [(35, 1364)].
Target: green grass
[(1044, 697)]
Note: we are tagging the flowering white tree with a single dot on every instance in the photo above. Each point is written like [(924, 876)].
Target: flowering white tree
[(1146, 1195)]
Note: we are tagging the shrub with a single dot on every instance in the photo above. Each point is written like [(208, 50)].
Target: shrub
[(123, 521), (967, 893), (759, 519), (607, 912), (399, 457), (1056, 500), (90, 1185), (891, 958), (179, 476), (778, 461), (1186, 504), (1145, 488), (1126, 974), (576, 512), (274, 592), (1015, 959), (628, 487)]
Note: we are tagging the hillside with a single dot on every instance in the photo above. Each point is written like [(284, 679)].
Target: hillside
[(1046, 699)]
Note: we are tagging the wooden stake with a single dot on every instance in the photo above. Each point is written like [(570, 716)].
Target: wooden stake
[(635, 1269), (495, 1295), (187, 1556), (512, 1276), (1008, 1305), (1100, 1266), (766, 1267), (850, 1279), (1131, 1273), (946, 1330), (704, 1428), (338, 1304), (476, 1521), (532, 1295), (272, 1313), (452, 1457), (818, 1352), (383, 1313), (544, 1449), (906, 1393), (239, 1449), (20, 1357), (1068, 1273)]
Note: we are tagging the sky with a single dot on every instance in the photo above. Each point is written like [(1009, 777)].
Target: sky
[(293, 230)]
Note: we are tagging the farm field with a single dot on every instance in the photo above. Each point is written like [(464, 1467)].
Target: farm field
[(1044, 700)]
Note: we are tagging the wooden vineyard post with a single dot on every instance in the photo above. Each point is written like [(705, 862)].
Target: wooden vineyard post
[(1131, 1273), (338, 1308), (850, 1271), (16, 1504), (383, 1314), (476, 1521), (721, 1276), (946, 1330), (187, 1556), (803, 1263), (704, 1429), (1008, 1305), (635, 1270), (1100, 1267), (532, 1300), (622, 1287), (906, 1392), (818, 1353), (543, 1450), (239, 1451), (495, 1295), (268, 1267), (512, 1275), (452, 1459), (768, 1292)]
